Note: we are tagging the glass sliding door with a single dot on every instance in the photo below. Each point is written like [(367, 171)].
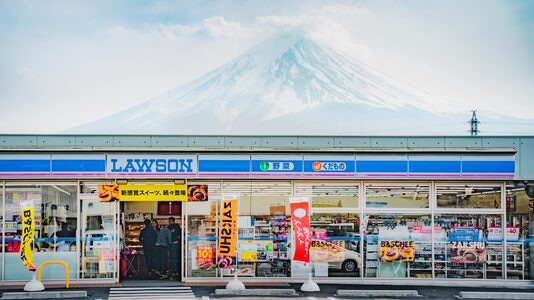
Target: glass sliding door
[(99, 232)]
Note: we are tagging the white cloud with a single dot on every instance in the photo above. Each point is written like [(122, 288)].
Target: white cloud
[(326, 25)]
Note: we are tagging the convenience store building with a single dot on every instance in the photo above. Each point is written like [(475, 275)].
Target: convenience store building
[(401, 210)]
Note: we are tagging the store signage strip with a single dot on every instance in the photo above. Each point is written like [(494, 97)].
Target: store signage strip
[(146, 164), (153, 192), (257, 166)]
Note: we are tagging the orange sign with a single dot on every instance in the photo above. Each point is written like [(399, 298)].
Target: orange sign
[(226, 247)]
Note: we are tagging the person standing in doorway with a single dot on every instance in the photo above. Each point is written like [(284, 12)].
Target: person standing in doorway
[(162, 247), (175, 248), (155, 225), (148, 238)]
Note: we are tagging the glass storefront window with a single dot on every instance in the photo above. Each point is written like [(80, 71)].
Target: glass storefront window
[(519, 207), (398, 246), (2, 226), (330, 195), (469, 196), (99, 238), (397, 195), (201, 235), (55, 208), (335, 249), (469, 246)]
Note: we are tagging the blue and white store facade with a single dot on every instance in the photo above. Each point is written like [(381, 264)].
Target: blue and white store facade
[(423, 210)]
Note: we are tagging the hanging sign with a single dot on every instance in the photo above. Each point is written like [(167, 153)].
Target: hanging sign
[(153, 192), (226, 250), (28, 229), (300, 222)]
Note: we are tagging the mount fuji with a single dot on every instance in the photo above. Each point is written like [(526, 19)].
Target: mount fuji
[(289, 85)]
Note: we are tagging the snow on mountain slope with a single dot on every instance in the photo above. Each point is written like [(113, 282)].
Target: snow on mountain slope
[(285, 85)]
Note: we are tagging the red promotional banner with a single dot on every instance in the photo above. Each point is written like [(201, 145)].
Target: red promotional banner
[(300, 222)]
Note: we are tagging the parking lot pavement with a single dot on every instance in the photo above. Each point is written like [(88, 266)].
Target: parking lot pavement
[(329, 292)]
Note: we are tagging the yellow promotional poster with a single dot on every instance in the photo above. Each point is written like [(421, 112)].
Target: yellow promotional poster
[(28, 229), (327, 251), (227, 234), (153, 192), (392, 250)]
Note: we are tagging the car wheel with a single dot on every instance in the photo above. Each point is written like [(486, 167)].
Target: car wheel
[(349, 265)]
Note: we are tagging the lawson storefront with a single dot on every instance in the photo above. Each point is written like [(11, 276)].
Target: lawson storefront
[(439, 210)]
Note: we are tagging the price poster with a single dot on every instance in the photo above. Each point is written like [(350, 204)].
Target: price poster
[(204, 257), (205, 254), (512, 234)]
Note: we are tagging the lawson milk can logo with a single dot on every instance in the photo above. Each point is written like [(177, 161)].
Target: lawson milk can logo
[(151, 164)]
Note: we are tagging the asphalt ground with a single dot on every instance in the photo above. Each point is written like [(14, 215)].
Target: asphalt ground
[(327, 292)]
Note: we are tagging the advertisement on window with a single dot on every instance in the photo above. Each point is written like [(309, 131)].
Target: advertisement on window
[(28, 229), (226, 250), (300, 222)]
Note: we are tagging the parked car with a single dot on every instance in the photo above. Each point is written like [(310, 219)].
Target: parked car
[(335, 254)]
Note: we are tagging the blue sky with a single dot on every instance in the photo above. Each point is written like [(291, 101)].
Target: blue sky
[(64, 63)]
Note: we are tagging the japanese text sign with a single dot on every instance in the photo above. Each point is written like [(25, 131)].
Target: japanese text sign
[(153, 192), (300, 222), (28, 228)]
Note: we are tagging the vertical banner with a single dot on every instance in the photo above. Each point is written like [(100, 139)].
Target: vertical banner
[(28, 229), (300, 222), (226, 247)]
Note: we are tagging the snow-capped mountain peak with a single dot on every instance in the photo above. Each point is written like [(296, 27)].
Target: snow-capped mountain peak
[(286, 79)]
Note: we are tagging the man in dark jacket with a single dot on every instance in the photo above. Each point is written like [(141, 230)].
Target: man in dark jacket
[(162, 250), (148, 237), (175, 248)]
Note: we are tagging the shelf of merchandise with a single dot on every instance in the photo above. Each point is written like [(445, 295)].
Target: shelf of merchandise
[(516, 260), (494, 269), (131, 236), (280, 234), (371, 256), (444, 268), (421, 267)]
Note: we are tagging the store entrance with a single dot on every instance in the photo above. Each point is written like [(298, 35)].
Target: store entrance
[(151, 245)]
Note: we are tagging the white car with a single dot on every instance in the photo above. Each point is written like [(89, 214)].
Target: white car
[(335, 254)]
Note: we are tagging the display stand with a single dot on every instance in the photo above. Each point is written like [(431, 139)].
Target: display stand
[(34, 285)]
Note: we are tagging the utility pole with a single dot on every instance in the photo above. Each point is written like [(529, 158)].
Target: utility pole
[(474, 123)]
